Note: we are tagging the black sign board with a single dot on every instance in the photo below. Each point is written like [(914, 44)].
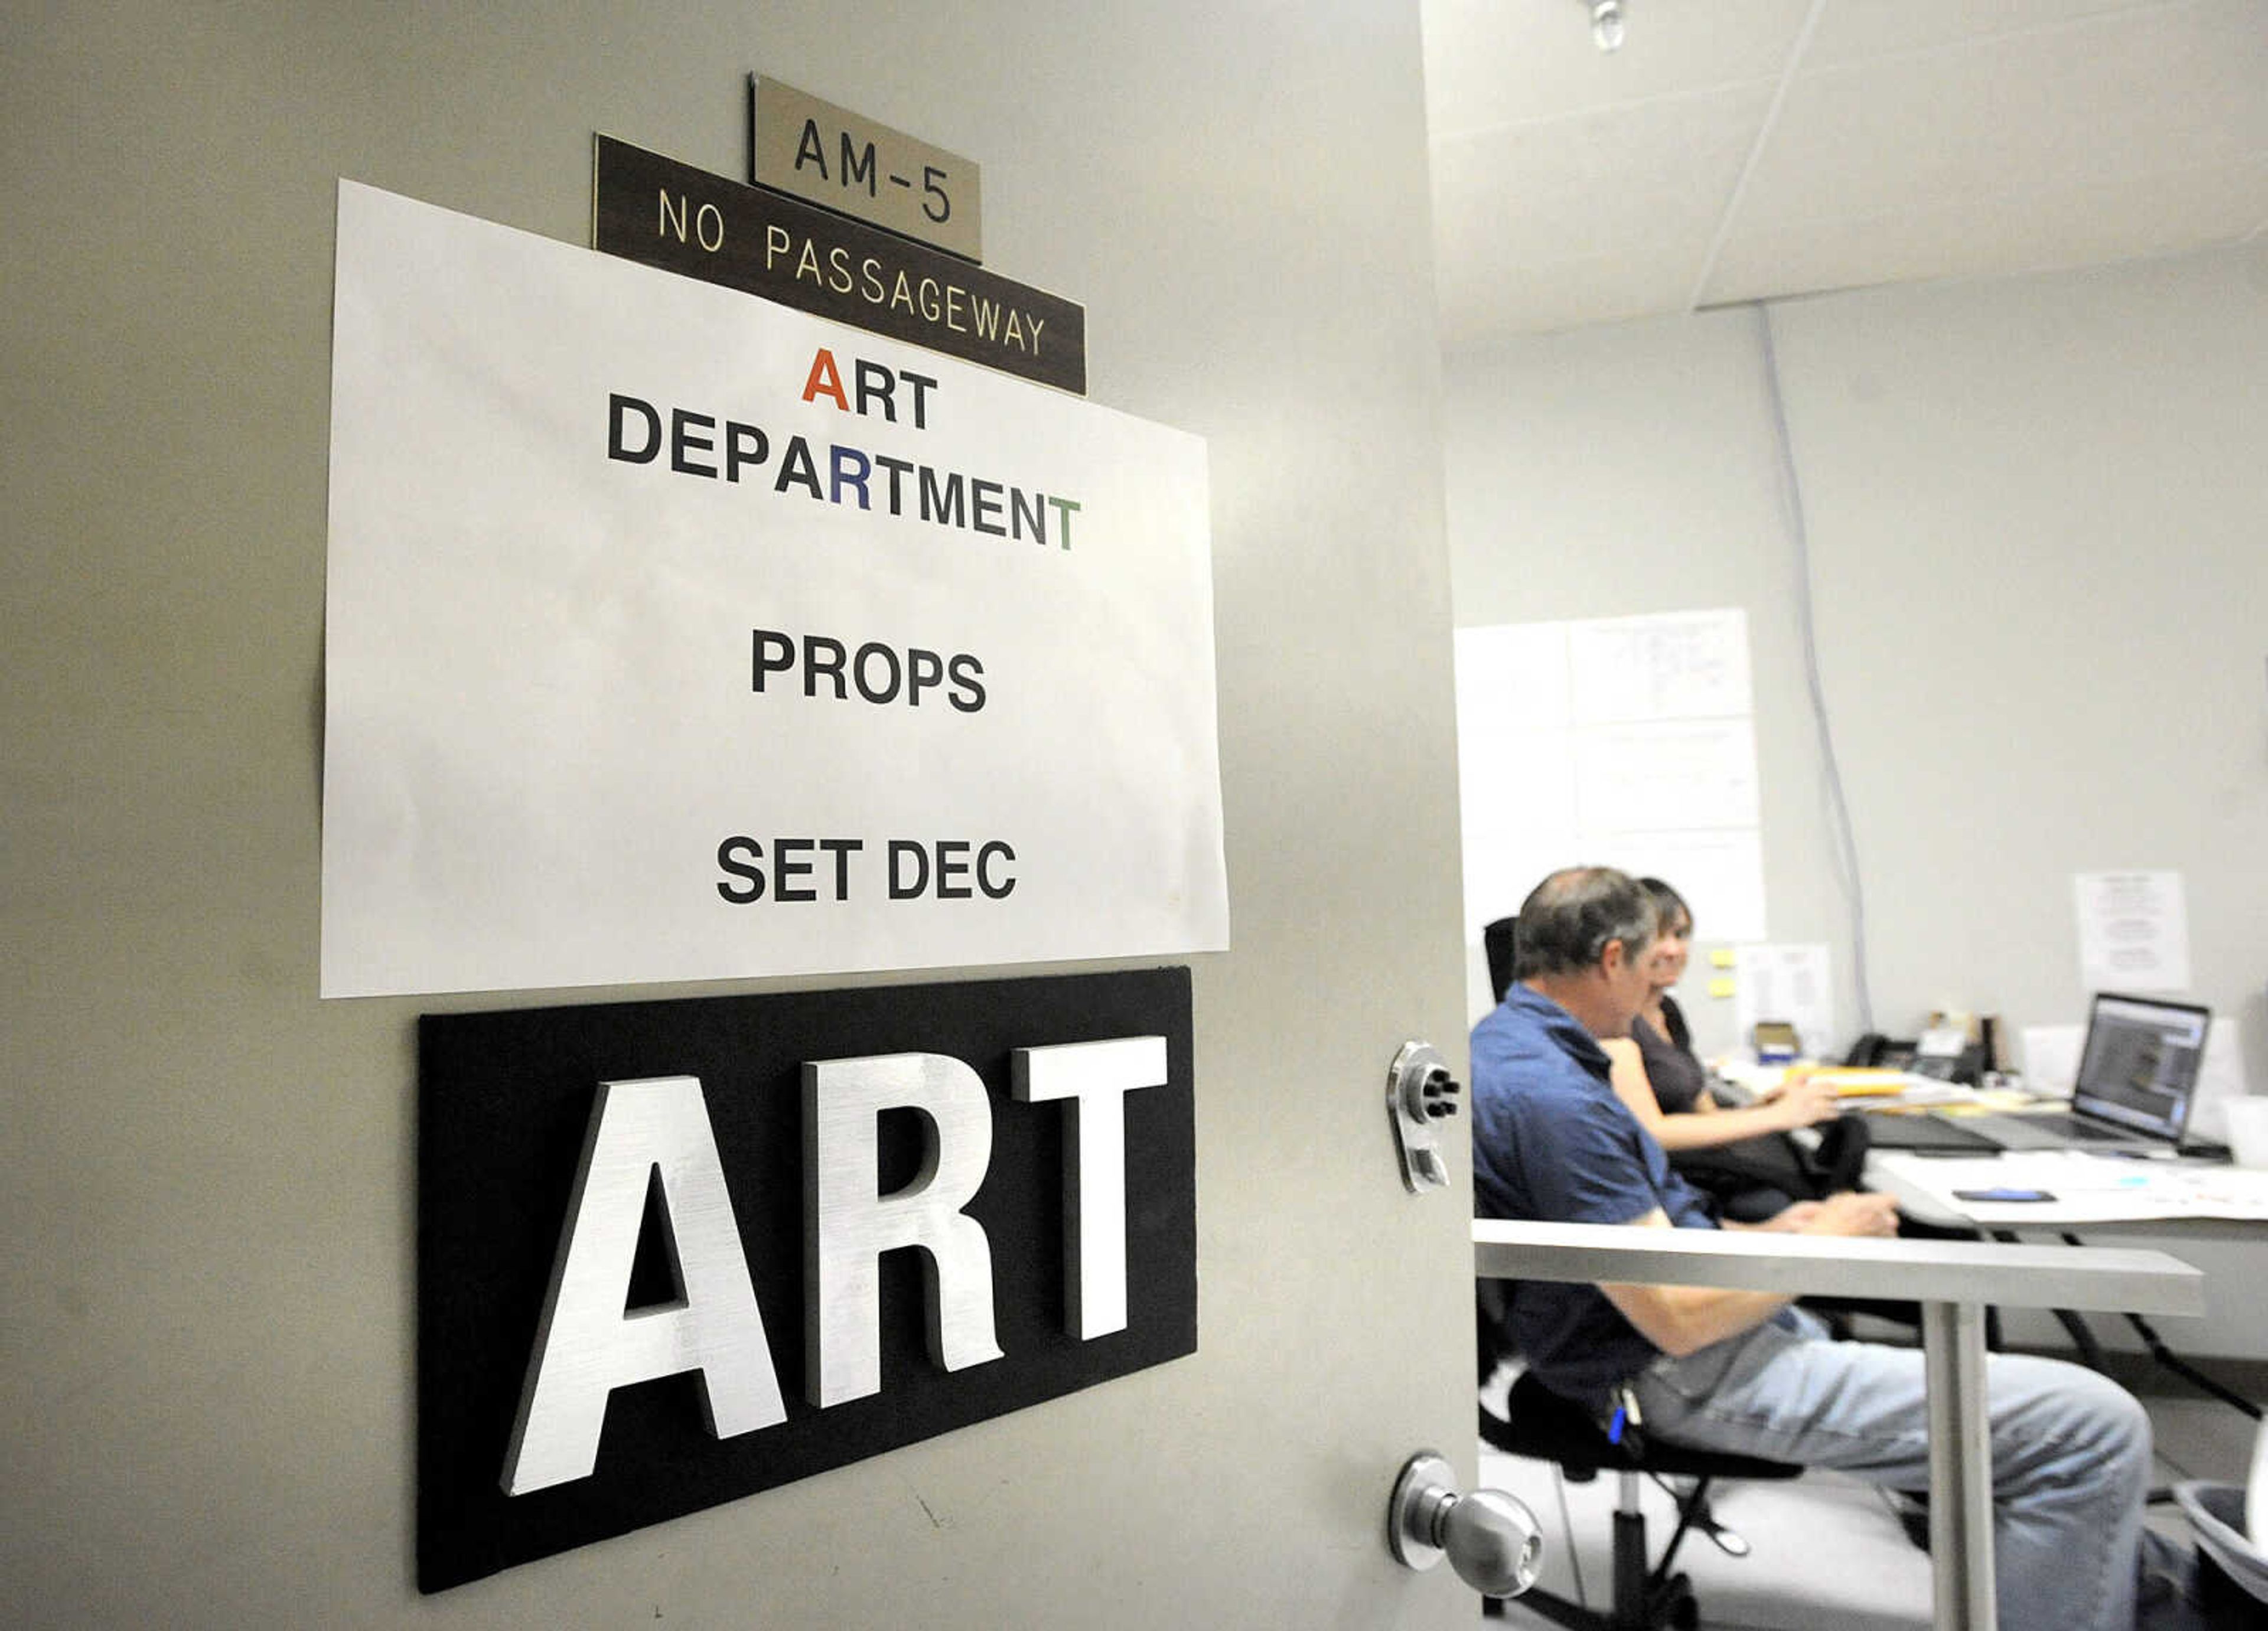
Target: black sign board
[(505, 1100), (654, 209)]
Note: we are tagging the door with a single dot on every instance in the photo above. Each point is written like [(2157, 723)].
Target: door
[(209, 1169)]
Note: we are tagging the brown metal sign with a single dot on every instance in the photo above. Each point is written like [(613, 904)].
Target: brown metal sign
[(831, 156), (654, 209)]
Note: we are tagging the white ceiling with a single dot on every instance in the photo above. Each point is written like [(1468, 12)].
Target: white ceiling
[(1740, 150)]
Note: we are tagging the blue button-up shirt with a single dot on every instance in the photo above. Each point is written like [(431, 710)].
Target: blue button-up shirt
[(1552, 1143)]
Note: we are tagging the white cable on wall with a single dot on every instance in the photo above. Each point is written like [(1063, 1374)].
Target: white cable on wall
[(1846, 843)]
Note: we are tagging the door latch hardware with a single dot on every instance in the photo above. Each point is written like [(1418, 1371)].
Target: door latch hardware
[(1490, 1538)]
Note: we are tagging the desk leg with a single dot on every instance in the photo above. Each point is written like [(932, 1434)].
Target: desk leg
[(1960, 1465)]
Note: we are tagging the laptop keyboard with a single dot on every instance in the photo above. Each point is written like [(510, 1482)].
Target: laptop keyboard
[(2077, 1128), (1928, 1133), (2019, 1133)]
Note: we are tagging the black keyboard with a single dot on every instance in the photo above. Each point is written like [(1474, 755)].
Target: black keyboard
[(2079, 1127), (1934, 1134)]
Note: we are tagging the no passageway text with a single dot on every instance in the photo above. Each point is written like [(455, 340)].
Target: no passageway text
[(666, 214)]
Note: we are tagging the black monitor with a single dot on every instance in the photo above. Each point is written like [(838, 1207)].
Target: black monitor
[(2139, 1067)]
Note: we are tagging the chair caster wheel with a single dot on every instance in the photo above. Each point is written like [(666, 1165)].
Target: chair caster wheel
[(1675, 1608)]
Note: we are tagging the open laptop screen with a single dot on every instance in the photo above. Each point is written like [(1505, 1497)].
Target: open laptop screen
[(2140, 1064)]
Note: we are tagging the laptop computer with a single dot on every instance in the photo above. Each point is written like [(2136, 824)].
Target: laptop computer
[(2138, 1075)]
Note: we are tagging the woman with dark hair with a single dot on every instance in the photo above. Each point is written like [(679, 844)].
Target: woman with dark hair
[(1742, 1157)]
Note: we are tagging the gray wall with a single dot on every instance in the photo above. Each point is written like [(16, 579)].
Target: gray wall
[(206, 1186), (2036, 516), (2039, 569)]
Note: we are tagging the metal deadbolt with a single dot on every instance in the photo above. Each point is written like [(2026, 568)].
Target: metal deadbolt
[(1419, 1091)]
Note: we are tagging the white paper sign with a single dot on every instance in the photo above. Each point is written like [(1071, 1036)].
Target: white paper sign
[(1622, 742), (2051, 1059), (1664, 666), (1693, 775), (2134, 931), (1721, 875), (2220, 1078), (1792, 983), (672, 634)]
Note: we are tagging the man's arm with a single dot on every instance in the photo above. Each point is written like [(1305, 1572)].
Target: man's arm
[(1684, 1319)]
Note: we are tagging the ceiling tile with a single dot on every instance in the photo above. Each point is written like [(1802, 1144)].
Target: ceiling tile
[(1585, 184), (1851, 31), (1916, 139), (1494, 63), (2135, 94), (2116, 218)]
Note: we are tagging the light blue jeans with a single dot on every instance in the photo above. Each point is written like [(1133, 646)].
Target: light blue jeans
[(2071, 1451)]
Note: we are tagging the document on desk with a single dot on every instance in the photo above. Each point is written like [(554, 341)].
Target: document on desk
[(2087, 1189), (1898, 1092), (1892, 1092)]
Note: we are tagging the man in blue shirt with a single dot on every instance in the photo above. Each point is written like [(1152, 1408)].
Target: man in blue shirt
[(1742, 1370)]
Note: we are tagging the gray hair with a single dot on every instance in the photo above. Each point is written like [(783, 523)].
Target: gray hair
[(1566, 922)]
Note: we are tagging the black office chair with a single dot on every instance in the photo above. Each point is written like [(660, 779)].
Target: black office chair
[(1501, 940), (1541, 1426)]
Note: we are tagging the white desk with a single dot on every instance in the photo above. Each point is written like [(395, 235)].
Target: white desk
[(2100, 1194), (2090, 1191), (1954, 1280)]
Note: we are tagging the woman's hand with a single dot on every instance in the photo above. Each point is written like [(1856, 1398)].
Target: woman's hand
[(1803, 1100)]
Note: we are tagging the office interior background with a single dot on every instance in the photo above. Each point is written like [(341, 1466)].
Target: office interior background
[(2032, 520), (2033, 497)]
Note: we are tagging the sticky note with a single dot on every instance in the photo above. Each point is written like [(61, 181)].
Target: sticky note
[(1722, 985), (1721, 958)]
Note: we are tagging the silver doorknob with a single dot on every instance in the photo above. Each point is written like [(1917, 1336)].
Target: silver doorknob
[(1490, 1538)]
